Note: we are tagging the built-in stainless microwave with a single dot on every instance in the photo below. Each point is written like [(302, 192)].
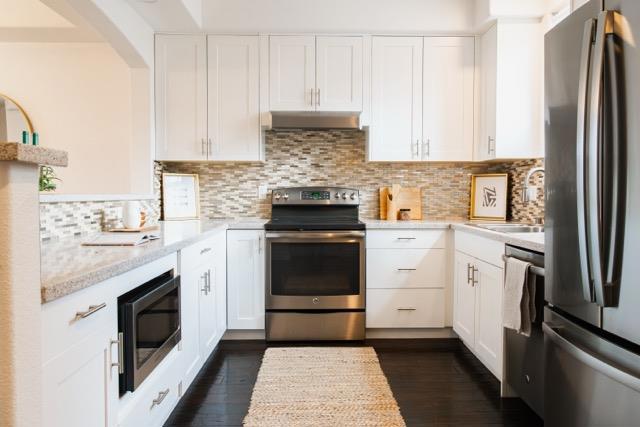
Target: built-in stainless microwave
[(148, 327)]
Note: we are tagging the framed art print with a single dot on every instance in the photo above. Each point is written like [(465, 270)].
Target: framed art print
[(180, 196), (489, 196)]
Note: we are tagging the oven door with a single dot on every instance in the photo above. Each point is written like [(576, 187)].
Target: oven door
[(315, 270)]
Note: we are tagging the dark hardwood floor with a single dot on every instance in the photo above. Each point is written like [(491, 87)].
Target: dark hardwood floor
[(436, 383)]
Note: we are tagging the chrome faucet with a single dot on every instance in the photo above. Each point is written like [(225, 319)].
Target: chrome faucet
[(525, 185)]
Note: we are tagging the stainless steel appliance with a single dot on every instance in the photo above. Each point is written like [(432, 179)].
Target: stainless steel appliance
[(315, 265), (524, 356), (592, 333), (149, 328)]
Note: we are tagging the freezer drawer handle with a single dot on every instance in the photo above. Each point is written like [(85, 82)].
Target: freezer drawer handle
[(554, 334)]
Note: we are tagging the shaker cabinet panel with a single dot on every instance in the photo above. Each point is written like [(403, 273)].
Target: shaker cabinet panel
[(339, 73), (396, 99), (292, 73), (181, 97), (489, 330), (464, 299), (448, 99), (245, 279)]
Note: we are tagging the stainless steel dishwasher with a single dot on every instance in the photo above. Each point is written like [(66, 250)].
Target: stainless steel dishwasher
[(524, 366)]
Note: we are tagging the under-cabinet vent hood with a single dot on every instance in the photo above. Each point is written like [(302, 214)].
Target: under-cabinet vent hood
[(315, 120)]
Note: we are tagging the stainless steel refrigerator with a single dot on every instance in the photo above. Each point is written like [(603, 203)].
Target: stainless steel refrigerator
[(592, 283)]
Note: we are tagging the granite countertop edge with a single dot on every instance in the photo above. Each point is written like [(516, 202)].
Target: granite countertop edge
[(35, 154)]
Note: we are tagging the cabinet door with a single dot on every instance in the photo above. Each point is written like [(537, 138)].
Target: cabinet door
[(233, 92), (339, 73), (245, 279), (220, 284), (488, 344), (208, 315), (292, 73), (448, 99), (464, 299), (181, 97), (486, 148), (193, 281), (396, 99), (76, 385)]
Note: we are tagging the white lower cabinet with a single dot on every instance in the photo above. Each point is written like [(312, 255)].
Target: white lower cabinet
[(406, 278), (477, 302), (245, 279)]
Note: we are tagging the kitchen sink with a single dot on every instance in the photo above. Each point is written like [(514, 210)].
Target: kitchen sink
[(512, 228)]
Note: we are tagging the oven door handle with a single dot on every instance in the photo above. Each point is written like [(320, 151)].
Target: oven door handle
[(313, 235)]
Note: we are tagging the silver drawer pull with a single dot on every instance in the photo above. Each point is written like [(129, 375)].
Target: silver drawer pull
[(406, 238), (205, 250), (158, 400), (92, 309), (406, 269), (406, 309), (120, 343)]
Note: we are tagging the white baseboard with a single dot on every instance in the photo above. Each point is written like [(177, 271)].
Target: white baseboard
[(400, 333)]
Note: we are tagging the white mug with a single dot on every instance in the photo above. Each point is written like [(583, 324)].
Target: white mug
[(131, 214)]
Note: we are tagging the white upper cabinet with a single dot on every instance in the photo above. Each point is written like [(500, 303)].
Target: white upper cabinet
[(511, 92), (181, 97), (308, 73), (339, 73), (396, 99), (233, 97), (448, 99), (292, 73)]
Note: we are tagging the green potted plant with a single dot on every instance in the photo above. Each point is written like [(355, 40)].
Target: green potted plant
[(48, 178)]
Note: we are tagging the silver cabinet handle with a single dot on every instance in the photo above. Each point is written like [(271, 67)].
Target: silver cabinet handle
[(474, 281), (158, 400), (92, 309), (426, 148), (209, 147), (202, 146), (204, 278), (406, 238), (406, 269), (312, 101), (491, 145), (120, 343), (205, 250), (208, 281), (259, 244), (417, 148), (318, 98), (406, 309), (469, 273)]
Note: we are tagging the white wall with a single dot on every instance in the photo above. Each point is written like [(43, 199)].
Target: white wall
[(79, 97), (376, 16)]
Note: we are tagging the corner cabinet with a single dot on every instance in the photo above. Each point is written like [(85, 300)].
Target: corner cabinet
[(422, 99), (245, 279), (207, 98), (477, 299), (309, 73), (511, 106)]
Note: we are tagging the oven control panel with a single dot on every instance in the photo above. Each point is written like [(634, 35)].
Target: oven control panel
[(315, 196)]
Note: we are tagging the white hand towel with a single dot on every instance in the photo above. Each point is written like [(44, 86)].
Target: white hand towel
[(518, 301)]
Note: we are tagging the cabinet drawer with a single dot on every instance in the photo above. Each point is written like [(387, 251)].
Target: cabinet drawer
[(203, 251), (411, 239), (482, 248), (152, 402), (405, 308), (406, 268)]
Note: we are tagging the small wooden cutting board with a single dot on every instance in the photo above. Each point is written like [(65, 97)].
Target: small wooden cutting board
[(409, 198)]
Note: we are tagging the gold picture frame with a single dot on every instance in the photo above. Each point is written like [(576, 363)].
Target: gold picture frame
[(180, 196), (488, 199)]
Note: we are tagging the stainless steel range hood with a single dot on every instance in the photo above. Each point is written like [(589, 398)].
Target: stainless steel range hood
[(315, 120)]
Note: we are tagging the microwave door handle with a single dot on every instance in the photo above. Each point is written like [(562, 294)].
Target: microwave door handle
[(595, 220), (617, 173), (581, 132)]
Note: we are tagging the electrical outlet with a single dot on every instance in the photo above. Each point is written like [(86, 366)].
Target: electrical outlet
[(532, 193), (263, 190)]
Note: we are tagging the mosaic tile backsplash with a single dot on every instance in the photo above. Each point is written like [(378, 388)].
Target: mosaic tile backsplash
[(303, 158)]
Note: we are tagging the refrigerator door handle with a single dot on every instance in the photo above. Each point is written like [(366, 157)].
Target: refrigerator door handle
[(581, 132), (595, 151), (589, 358)]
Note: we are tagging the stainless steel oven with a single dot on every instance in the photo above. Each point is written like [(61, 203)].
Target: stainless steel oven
[(149, 328), (315, 265), (315, 270)]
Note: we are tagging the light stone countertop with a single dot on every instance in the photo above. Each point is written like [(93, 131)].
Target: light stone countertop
[(15, 151), (381, 224), (531, 241)]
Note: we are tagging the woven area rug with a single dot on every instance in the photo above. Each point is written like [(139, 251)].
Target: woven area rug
[(322, 386)]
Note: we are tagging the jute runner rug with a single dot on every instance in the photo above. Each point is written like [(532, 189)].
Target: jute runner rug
[(322, 386)]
